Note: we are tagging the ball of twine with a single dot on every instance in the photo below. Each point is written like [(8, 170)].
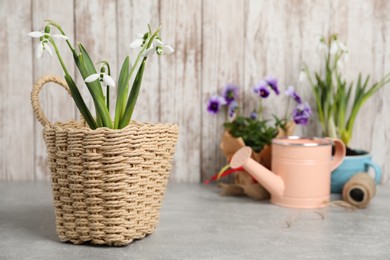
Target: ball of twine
[(359, 190)]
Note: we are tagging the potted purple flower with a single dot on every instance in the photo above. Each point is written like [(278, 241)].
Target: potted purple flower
[(254, 130)]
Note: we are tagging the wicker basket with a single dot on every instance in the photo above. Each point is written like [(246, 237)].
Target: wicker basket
[(107, 184)]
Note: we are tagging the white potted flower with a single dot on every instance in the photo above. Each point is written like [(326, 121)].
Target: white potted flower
[(108, 175), (338, 105)]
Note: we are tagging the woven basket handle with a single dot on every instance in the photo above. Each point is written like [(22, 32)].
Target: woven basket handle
[(35, 96)]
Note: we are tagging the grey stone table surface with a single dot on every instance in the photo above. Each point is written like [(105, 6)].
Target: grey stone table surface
[(197, 223)]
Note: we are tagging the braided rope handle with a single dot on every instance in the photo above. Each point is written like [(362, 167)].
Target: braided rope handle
[(38, 85)]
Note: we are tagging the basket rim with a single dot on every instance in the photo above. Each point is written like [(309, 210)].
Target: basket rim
[(80, 125)]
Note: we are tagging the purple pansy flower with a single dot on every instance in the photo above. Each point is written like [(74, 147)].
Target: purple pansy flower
[(301, 114), (261, 89), (291, 92), (230, 93), (232, 109), (214, 104), (253, 115), (273, 83)]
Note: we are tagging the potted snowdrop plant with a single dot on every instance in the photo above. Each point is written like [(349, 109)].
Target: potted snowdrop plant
[(338, 105), (108, 174), (254, 130)]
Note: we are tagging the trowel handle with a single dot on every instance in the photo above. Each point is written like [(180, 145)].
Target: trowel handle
[(339, 153)]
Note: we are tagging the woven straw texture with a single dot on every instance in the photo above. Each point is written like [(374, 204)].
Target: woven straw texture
[(107, 184)]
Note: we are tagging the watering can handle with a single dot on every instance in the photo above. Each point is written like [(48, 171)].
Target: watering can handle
[(339, 153)]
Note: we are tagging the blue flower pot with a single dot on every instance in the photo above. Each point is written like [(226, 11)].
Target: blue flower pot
[(351, 166)]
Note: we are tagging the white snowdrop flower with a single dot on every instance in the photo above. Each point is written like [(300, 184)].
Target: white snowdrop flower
[(43, 46), (104, 78), (340, 64), (38, 34), (44, 41), (159, 48), (345, 56), (334, 47), (140, 41), (302, 76)]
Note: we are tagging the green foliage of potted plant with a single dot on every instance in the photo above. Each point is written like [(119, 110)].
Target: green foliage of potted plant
[(339, 103)]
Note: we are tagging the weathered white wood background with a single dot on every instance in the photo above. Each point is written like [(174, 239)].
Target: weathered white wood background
[(216, 42)]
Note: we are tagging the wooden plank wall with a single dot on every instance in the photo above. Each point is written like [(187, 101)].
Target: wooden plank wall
[(216, 42)]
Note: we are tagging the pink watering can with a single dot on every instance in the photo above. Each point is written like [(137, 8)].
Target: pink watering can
[(301, 170)]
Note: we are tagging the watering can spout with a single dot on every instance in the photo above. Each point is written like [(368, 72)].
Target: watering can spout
[(273, 183)]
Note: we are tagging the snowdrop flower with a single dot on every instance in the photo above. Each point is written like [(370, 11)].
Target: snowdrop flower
[(103, 77), (43, 46), (38, 34), (343, 47), (322, 48), (44, 41), (334, 47), (340, 64), (345, 56), (140, 41), (159, 48), (302, 76)]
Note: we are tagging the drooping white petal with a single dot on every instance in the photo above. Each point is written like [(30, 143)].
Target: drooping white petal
[(149, 52), (322, 48), (334, 47), (302, 76), (60, 36), (108, 80), (340, 64), (36, 34), (39, 50), (48, 49), (167, 49), (92, 78), (343, 47), (345, 57), (136, 43), (158, 42), (140, 35)]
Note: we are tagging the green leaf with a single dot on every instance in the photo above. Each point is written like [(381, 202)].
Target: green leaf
[(133, 96), (86, 68), (123, 89), (80, 102), (256, 134)]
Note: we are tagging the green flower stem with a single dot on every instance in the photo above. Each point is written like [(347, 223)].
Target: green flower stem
[(108, 98), (108, 87), (260, 110), (59, 56), (56, 25)]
